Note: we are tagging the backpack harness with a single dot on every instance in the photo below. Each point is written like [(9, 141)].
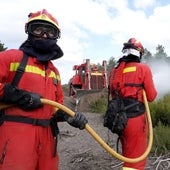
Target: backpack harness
[(132, 106), (20, 119)]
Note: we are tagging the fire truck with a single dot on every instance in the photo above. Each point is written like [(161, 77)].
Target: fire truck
[(88, 78)]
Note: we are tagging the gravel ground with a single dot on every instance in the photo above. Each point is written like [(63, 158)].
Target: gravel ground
[(78, 150)]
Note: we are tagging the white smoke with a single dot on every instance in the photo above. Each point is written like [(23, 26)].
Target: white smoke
[(161, 77)]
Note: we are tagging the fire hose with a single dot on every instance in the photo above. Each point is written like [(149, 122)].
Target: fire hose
[(98, 138)]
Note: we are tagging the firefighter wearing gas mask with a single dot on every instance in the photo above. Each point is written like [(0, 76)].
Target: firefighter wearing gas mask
[(129, 78), (28, 130)]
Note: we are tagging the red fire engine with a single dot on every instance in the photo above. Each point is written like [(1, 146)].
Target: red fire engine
[(87, 79)]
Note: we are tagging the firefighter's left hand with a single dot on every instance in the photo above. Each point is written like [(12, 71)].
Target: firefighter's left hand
[(78, 121)]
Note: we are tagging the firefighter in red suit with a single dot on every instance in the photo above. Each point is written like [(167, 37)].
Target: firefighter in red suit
[(28, 131), (130, 79)]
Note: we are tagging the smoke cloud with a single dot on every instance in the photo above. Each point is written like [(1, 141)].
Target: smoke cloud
[(161, 77)]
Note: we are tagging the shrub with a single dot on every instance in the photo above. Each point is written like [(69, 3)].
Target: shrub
[(161, 142), (160, 111), (99, 105)]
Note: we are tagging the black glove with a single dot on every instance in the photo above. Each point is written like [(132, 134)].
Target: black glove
[(78, 121), (60, 116), (30, 101), (26, 100)]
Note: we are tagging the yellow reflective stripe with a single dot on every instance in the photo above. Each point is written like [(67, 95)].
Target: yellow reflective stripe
[(129, 69), (126, 168), (14, 66), (34, 70), (54, 75)]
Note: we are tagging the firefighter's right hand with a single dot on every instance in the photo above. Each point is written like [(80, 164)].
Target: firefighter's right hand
[(30, 101), (78, 121), (24, 99)]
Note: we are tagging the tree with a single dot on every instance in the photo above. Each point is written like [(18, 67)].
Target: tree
[(111, 63), (147, 57), (2, 48), (160, 52)]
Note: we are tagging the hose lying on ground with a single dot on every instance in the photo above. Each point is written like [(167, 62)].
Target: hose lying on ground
[(98, 138)]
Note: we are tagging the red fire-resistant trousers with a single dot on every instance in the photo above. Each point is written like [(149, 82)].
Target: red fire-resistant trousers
[(134, 142), (26, 147)]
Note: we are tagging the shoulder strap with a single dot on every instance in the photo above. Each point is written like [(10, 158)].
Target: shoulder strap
[(117, 77), (20, 70)]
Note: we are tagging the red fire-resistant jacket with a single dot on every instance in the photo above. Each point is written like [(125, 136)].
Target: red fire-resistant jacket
[(38, 78), (135, 74)]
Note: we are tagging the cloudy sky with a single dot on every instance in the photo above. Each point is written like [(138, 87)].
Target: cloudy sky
[(94, 29)]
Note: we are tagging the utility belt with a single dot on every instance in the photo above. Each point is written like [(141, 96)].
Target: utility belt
[(133, 107), (35, 122)]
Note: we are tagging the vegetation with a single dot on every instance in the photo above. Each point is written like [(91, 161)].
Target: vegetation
[(161, 142), (160, 112), (2, 48), (99, 105)]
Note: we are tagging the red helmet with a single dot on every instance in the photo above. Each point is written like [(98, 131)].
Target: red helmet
[(42, 16), (133, 44)]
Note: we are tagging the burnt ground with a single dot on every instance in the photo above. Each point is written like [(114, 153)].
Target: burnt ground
[(79, 151)]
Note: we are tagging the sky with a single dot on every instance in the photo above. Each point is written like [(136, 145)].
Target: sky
[(91, 29)]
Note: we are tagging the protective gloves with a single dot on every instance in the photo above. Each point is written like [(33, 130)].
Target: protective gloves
[(78, 120), (60, 116), (30, 101), (25, 100)]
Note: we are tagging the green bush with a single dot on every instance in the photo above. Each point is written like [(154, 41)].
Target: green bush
[(99, 105), (161, 141), (65, 88), (160, 111)]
